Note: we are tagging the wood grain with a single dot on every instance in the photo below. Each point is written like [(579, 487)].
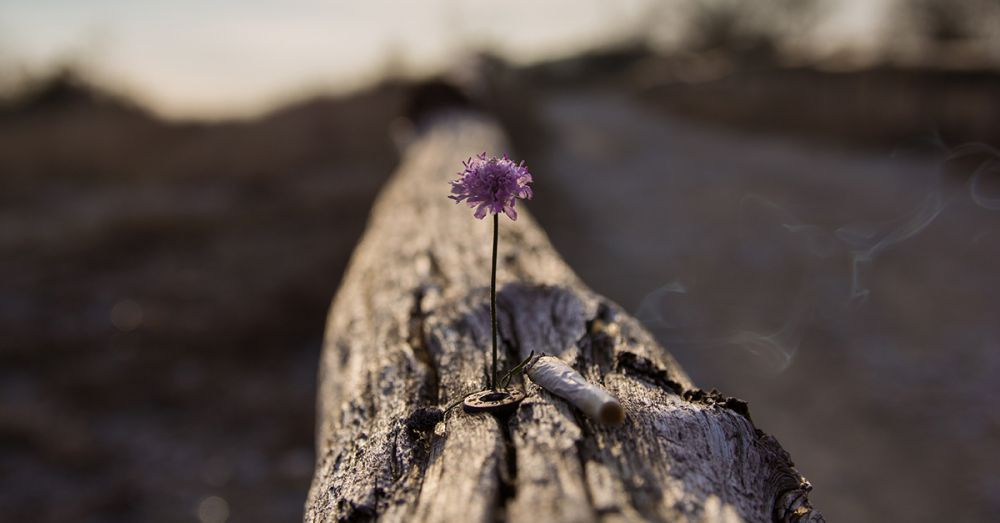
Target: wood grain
[(409, 333)]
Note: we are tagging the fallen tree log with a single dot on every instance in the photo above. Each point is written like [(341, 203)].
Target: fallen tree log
[(409, 333)]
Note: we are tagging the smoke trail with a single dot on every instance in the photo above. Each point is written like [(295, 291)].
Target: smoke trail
[(779, 244), (975, 185), (986, 159), (684, 318), (773, 351), (872, 244), (776, 349), (919, 220), (815, 240), (652, 311)]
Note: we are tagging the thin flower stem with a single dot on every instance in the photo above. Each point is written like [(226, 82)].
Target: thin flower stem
[(493, 298)]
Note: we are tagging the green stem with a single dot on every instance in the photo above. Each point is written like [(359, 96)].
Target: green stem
[(493, 298)]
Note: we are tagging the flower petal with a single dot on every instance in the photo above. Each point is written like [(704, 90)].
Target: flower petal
[(492, 185)]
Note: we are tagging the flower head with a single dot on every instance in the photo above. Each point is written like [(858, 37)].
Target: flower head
[(492, 184)]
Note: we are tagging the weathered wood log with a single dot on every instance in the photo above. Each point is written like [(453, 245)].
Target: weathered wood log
[(409, 333)]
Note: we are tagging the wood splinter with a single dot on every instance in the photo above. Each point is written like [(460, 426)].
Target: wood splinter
[(555, 376)]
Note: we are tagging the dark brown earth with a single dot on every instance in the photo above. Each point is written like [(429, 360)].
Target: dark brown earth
[(163, 297), (164, 285)]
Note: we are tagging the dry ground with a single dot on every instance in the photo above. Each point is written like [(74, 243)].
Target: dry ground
[(164, 285)]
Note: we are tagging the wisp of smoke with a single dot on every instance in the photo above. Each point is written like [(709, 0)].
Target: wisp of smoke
[(805, 236), (657, 312), (773, 351), (873, 244), (780, 241), (988, 170), (990, 167)]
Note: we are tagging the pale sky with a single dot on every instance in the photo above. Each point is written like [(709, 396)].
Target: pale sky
[(218, 58)]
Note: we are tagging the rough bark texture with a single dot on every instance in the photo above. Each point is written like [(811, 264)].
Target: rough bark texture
[(409, 333)]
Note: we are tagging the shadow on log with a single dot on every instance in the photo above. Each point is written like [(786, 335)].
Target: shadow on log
[(409, 333)]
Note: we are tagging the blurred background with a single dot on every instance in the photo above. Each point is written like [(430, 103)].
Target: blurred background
[(798, 197)]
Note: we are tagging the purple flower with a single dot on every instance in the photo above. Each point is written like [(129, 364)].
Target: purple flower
[(492, 185)]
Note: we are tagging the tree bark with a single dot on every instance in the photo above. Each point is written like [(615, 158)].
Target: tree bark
[(409, 333)]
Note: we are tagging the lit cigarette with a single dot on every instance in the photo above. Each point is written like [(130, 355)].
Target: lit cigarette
[(560, 379)]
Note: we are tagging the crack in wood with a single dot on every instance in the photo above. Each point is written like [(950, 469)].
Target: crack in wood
[(417, 339), (409, 329), (507, 471)]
